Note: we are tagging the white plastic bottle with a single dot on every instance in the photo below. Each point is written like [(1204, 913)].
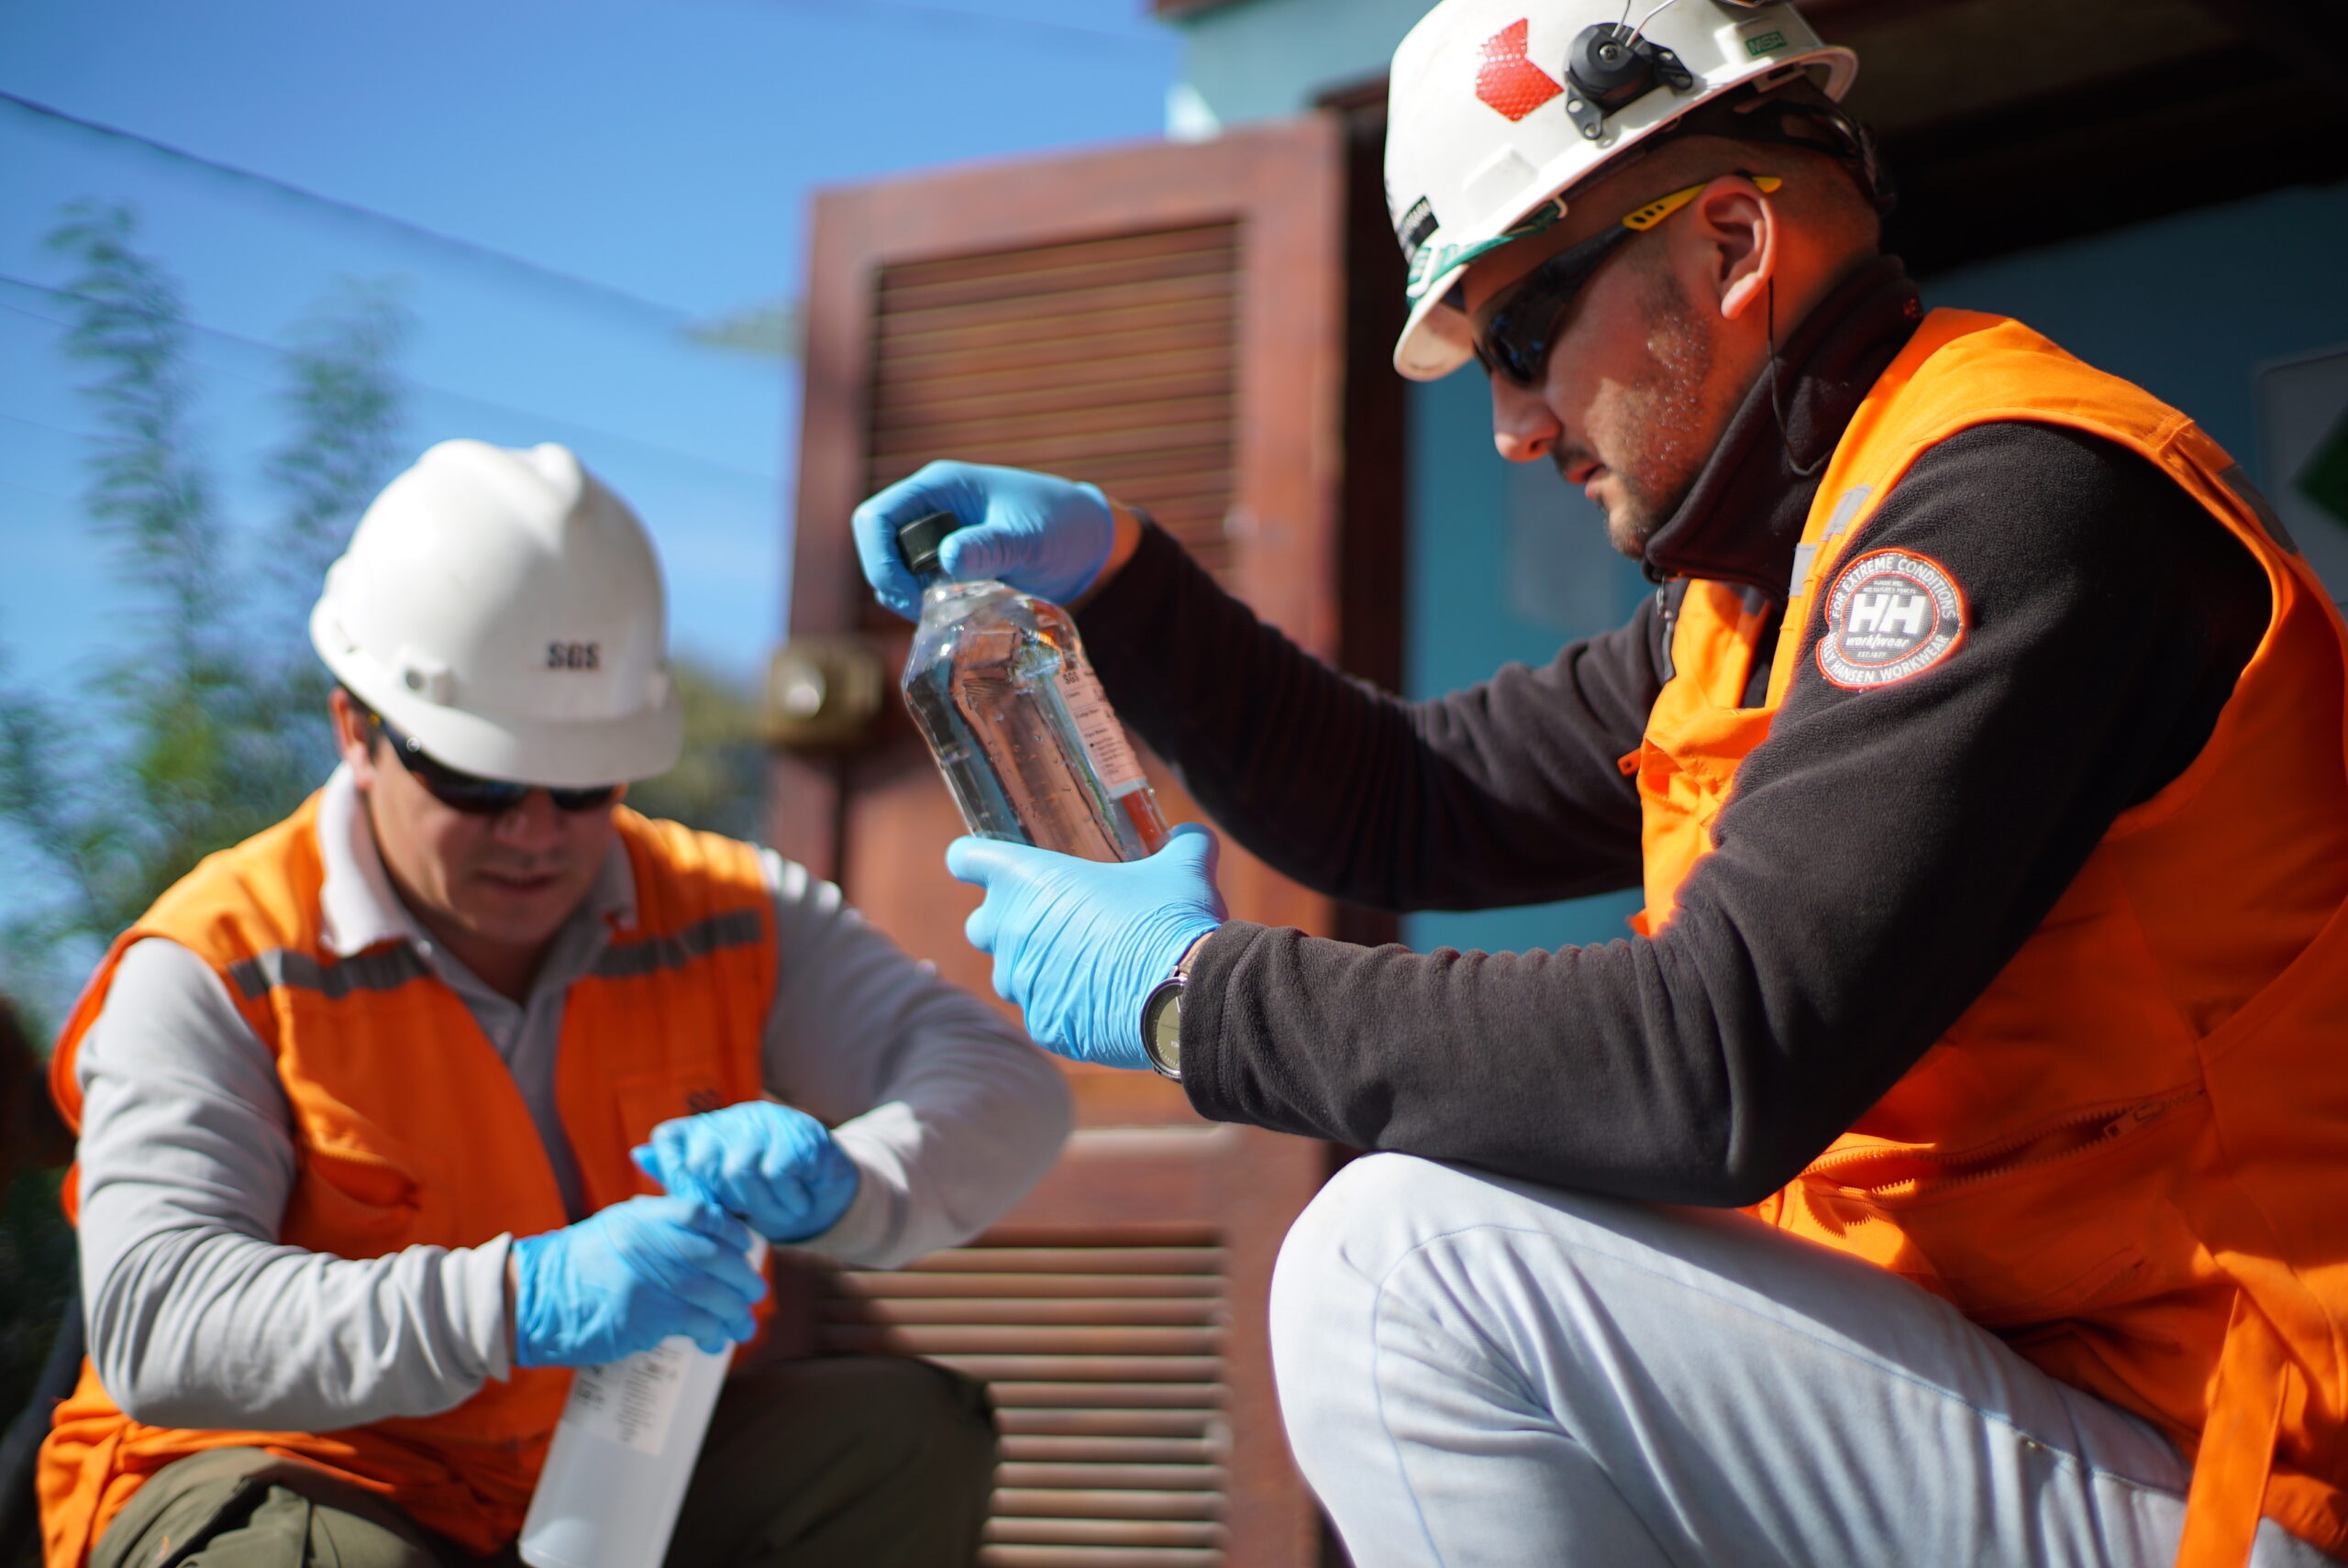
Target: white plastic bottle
[(616, 1471)]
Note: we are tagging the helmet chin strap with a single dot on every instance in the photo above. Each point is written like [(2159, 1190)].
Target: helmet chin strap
[(1777, 403)]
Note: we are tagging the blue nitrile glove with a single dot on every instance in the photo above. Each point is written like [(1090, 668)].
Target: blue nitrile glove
[(1078, 946), (626, 1277), (1043, 536), (776, 1167)]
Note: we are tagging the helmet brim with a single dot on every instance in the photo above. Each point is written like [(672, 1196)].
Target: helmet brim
[(551, 753), (1438, 337)]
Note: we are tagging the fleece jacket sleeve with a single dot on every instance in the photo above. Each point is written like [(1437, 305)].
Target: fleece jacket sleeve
[(1508, 792), (1887, 851)]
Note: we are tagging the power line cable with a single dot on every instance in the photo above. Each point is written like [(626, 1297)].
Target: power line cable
[(712, 464), (668, 317), (93, 438), (44, 494), (558, 422), (52, 429)]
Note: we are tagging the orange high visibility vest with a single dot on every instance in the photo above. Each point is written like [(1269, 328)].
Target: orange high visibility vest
[(2130, 1155), (410, 1132)]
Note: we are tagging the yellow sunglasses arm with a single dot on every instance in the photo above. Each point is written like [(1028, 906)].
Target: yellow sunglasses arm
[(1662, 207)]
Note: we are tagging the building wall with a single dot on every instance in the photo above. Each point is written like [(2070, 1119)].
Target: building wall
[(1267, 58), (1509, 564), (2194, 308)]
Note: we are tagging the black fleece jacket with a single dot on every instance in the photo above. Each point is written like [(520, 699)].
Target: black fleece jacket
[(1886, 852)]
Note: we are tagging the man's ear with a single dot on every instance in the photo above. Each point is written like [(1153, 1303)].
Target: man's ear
[(1739, 223), (354, 737)]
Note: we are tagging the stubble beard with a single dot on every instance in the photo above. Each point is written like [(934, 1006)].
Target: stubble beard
[(1659, 442)]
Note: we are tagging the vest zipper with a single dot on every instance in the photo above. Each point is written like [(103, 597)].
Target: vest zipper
[(2040, 1147)]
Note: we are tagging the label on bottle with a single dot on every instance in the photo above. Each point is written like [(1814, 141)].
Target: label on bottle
[(1096, 725), (631, 1401)]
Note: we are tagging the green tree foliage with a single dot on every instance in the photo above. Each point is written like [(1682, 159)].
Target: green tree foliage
[(719, 784), (209, 723)]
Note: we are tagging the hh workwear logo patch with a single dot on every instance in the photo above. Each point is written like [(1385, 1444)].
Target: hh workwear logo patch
[(1889, 615), (1507, 80)]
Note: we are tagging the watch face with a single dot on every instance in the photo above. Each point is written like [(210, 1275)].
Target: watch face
[(1162, 1029)]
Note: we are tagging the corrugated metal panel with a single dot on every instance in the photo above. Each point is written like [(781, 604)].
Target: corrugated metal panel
[(1105, 1353), (1114, 359)]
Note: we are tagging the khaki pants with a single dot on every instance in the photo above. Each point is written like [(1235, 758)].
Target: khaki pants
[(849, 1461)]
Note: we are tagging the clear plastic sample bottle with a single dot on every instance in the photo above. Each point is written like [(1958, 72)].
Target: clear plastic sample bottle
[(616, 1471), (1030, 748)]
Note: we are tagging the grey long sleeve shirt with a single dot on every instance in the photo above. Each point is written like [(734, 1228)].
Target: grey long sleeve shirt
[(199, 1317)]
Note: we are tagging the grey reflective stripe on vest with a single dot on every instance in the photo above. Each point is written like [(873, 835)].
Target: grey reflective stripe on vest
[(1803, 556), (632, 960), (392, 967), (386, 969), (1847, 506)]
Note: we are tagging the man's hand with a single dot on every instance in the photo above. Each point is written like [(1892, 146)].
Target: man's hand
[(775, 1167), (1041, 535), (628, 1276), (1078, 946)]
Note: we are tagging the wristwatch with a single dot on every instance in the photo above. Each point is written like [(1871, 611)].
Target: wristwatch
[(1161, 1017)]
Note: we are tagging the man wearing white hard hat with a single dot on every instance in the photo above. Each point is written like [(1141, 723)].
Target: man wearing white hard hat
[(465, 1076), (1980, 755)]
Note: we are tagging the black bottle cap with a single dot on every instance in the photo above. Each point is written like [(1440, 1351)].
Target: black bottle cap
[(918, 540)]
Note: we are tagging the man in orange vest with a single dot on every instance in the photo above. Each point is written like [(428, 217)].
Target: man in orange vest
[(464, 1076), (1981, 756)]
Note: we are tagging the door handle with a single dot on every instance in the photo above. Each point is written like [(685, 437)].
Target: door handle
[(824, 693)]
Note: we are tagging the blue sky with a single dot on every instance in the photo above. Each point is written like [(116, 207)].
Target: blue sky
[(665, 147)]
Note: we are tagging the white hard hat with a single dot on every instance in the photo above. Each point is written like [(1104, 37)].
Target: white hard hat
[(505, 609), (1497, 108)]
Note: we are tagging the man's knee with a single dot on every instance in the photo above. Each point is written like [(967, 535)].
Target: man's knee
[(841, 1460), (230, 1507), (866, 1425), (1338, 1255), (1367, 1217), (1399, 1256), (892, 1412), (940, 1423), (1348, 1308)]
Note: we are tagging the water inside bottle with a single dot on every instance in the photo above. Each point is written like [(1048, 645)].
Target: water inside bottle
[(1030, 748)]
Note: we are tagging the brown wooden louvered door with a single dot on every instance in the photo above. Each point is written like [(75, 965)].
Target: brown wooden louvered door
[(1169, 321), (1115, 356)]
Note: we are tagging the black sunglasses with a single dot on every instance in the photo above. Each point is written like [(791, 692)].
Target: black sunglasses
[(1516, 329), (1515, 332), (476, 796)]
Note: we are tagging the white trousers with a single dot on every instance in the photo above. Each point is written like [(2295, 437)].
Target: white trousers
[(1476, 1373)]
